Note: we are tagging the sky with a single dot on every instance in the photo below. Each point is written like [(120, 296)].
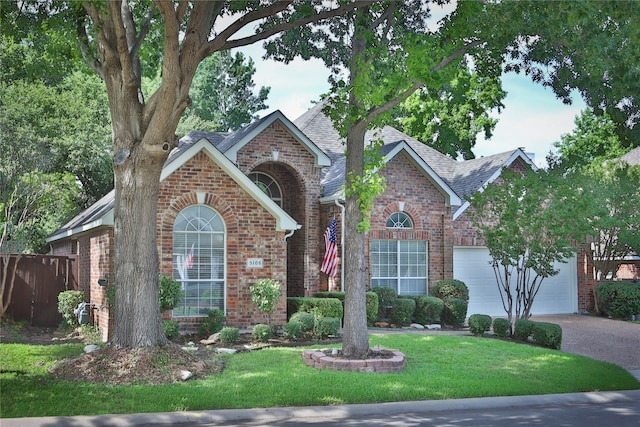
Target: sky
[(533, 118)]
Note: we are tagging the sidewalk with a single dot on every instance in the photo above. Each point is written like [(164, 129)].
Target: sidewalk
[(270, 416)]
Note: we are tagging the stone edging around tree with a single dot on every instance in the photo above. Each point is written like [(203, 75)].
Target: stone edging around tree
[(320, 360)]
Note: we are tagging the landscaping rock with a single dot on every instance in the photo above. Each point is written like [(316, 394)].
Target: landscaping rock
[(416, 326), (381, 325), (226, 350), (91, 348), (185, 375), (434, 326)]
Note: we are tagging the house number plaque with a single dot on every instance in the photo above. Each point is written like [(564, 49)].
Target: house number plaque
[(255, 263)]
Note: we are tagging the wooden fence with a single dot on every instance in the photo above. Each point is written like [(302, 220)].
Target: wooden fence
[(39, 280)]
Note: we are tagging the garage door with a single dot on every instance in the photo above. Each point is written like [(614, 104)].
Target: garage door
[(557, 295)]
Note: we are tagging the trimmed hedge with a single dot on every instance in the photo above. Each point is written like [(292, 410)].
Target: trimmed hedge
[(619, 299), (306, 320), (292, 330), (229, 335), (450, 288), (523, 329), (322, 307), (326, 327), (386, 299), (479, 323), (372, 303), (454, 311), (402, 311), (501, 327), (428, 309), (547, 334), (261, 332)]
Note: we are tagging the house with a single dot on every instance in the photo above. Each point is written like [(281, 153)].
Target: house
[(237, 207), (630, 267)]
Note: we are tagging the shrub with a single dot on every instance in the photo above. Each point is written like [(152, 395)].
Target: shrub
[(326, 327), (171, 329), (170, 293), (212, 323), (454, 311), (402, 311), (322, 307), (501, 327), (372, 303), (292, 330), (619, 299), (428, 309), (450, 288), (261, 332), (229, 335), (265, 294), (522, 329), (547, 334), (68, 301), (306, 320), (479, 323), (372, 307), (386, 299)]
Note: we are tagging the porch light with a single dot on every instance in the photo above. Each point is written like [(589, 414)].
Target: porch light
[(104, 281), (401, 206)]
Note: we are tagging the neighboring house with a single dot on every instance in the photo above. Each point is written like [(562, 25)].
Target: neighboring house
[(237, 207), (630, 268)]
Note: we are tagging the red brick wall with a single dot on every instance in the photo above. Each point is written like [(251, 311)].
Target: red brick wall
[(425, 204), (299, 180), (250, 234)]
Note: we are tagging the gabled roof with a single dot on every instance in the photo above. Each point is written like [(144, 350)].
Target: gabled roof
[(457, 179), (101, 213)]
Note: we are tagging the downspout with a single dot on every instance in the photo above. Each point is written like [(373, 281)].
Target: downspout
[(342, 209)]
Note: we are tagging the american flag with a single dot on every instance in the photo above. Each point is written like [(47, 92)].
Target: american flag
[(189, 261), (330, 261)]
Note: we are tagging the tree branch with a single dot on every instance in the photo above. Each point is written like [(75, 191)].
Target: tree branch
[(83, 39), (455, 55)]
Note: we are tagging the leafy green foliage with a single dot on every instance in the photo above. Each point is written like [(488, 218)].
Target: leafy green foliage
[(501, 327), (527, 223), (479, 323), (402, 311), (386, 299), (68, 301), (450, 288), (261, 332), (620, 300), (428, 309), (170, 293), (306, 320), (547, 334), (372, 303), (322, 307), (223, 94), (171, 329), (326, 327), (454, 311), (292, 330), (229, 335), (523, 329), (212, 323), (265, 294)]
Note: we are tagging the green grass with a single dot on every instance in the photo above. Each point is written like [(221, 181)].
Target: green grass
[(438, 367)]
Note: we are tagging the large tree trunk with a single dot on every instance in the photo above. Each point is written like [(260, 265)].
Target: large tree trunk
[(355, 342)]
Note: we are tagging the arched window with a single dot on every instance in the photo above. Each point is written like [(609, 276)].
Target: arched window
[(268, 185), (199, 260), (399, 220)]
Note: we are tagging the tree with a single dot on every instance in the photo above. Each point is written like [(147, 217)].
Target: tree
[(389, 52), (526, 222), (589, 46), (608, 225), (222, 93), (592, 141), (120, 41), (449, 118)]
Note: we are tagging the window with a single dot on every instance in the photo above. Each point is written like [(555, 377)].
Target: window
[(268, 185), (199, 260), (400, 264), (399, 220)]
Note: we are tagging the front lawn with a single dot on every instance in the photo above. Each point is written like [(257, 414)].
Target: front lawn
[(438, 367)]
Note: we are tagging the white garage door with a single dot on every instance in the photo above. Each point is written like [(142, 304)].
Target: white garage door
[(557, 295)]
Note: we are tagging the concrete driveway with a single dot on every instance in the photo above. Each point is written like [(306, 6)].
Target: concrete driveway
[(599, 338)]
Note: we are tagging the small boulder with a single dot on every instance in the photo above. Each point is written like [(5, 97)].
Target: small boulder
[(185, 375), (226, 350), (381, 325), (416, 326), (90, 348), (434, 326)]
